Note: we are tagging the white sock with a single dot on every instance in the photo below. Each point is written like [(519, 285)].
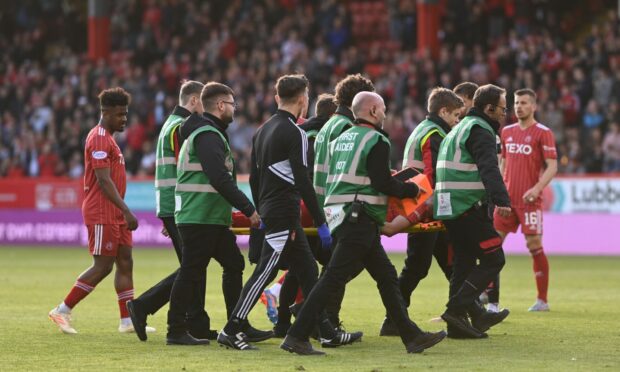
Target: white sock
[(275, 289), (126, 321), (63, 308), (493, 308)]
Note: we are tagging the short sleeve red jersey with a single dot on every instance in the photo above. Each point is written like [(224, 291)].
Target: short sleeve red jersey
[(101, 151), (525, 152)]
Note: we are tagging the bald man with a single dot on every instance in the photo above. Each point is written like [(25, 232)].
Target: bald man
[(358, 184)]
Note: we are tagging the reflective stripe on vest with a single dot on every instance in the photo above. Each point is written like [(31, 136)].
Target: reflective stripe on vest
[(459, 185), (349, 198), (166, 160), (456, 166), (191, 187), (167, 182)]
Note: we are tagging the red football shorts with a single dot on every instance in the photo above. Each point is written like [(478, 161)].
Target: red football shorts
[(104, 240), (529, 217)]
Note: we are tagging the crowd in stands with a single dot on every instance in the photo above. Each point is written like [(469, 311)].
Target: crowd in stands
[(48, 86)]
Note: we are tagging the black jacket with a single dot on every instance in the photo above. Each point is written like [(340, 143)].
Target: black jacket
[(378, 163), (279, 170), (211, 151), (483, 147)]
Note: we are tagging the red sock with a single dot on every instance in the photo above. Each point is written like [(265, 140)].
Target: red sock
[(541, 273), (78, 292), (124, 296), (300, 296)]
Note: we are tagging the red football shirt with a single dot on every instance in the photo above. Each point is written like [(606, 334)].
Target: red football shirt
[(101, 151), (525, 152)]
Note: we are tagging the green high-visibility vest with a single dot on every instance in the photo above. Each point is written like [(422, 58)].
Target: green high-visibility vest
[(196, 201), (166, 167), (332, 129), (348, 176), (458, 186), (413, 149)]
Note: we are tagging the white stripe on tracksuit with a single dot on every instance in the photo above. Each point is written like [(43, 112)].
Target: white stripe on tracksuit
[(248, 301)]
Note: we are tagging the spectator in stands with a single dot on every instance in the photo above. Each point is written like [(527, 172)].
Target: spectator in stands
[(611, 148), (46, 79)]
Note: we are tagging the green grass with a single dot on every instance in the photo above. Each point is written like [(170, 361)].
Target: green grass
[(581, 332)]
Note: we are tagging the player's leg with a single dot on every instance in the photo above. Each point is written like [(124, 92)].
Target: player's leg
[(531, 226), (100, 237), (541, 271), (123, 284)]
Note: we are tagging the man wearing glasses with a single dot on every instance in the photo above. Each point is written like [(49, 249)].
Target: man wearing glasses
[(206, 190), (468, 181)]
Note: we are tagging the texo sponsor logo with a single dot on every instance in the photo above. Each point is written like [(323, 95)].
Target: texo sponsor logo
[(517, 148)]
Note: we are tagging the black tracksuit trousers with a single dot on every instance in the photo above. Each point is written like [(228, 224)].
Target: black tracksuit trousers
[(200, 244), (474, 238), (285, 245), (359, 247)]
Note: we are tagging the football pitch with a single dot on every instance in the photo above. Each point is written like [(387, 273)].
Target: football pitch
[(580, 333)]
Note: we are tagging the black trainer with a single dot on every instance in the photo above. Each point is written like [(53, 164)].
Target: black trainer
[(138, 318), (461, 322), (185, 339), (341, 338), (255, 335), (388, 328), (425, 341), (279, 331), (238, 341), (488, 319), (209, 334), (457, 334), (294, 345)]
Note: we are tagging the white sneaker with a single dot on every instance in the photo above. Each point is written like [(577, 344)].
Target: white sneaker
[(539, 305), (128, 328), (62, 320), (493, 308)]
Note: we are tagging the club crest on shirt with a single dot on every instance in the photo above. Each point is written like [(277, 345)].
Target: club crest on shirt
[(528, 139), (99, 155)]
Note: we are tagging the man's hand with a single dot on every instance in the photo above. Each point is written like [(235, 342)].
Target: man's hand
[(325, 236), (164, 232), (504, 211), (130, 220), (531, 195), (255, 220)]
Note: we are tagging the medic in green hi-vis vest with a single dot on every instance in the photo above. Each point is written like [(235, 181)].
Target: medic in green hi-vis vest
[(205, 193), (468, 179), (168, 145), (342, 120), (444, 111)]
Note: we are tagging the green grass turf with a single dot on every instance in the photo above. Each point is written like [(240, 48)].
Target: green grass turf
[(581, 332)]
